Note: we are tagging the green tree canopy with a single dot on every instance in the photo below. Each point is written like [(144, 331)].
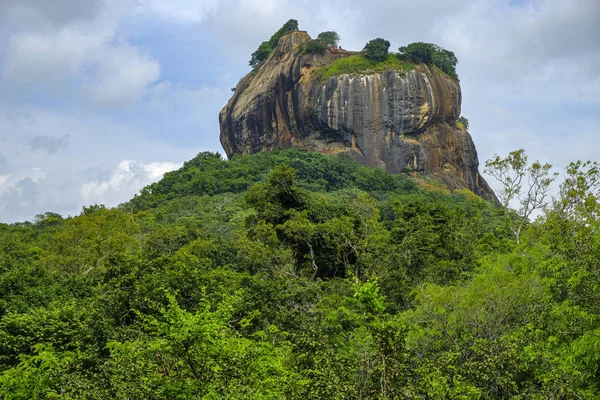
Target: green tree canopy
[(329, 38), (312, 47), (295, 275), (376, 49), (267, 47), (430, 54)]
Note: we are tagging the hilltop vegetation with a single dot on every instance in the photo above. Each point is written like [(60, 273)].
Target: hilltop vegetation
[(266, 48), (294, 275), (374, 57), (358, 64)]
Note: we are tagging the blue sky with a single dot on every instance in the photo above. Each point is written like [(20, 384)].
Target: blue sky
[(101, 97)]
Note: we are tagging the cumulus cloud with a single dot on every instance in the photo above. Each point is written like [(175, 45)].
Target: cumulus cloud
[(46, 58), (33, 191), (59, 45), (18, 192), (122, 76), (124, 181)]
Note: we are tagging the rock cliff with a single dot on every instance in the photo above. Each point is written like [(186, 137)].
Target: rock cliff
[(397, 120)]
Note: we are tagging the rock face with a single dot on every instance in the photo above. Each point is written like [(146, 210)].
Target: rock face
[(399, 121)]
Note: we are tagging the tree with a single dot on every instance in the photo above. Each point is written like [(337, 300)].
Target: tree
[(261, 54), (312, 47), (418, 52), (329, 38), (376, 49), (430, 54), (445, 60), (462, 123), (528, 184), (266, 48), (579, 194)]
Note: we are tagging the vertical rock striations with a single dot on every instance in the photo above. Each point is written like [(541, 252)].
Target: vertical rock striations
[(396, 120)]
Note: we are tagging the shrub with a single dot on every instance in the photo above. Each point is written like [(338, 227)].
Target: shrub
[(329, 38), (418, 53), (266, 48), (376, 49), (430, 54), (312, 47), (462, 123)]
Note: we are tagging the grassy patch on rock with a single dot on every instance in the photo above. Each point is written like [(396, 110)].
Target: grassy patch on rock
[(360, 65)]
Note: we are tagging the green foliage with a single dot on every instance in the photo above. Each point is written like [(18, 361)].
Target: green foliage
[(312, 47), (418, 52), (430, 54), (261, 54), (462, 123), (513, 172), (37, 376), (358, 64), (266, 48), (376, 49), (329, 38), (295, 275)]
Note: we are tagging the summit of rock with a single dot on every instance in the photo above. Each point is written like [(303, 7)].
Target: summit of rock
[(397, 119)]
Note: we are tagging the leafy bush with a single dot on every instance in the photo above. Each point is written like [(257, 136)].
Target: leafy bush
[(312, 47), (430, 54), (329, 38), (376, 49), (261, 54), (266, 48), (462, 123), (418, 53)]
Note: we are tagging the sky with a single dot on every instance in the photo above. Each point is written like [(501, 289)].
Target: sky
[(99, 98)]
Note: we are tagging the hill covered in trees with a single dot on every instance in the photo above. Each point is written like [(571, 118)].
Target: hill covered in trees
[(295, 275)]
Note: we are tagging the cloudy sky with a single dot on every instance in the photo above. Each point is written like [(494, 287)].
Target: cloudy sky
[(101, 97)]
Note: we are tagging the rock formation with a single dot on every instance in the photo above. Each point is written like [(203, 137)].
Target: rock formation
[(397, 120)]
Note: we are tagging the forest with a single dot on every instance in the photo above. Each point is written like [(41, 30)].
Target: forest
[(295, 275)]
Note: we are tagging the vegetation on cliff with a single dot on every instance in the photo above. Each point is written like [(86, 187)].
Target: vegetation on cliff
[(430, 54), (312, 47), (361, 65), (376, 49), (295, 275), (375, 55), (266, 48), (329, 38)]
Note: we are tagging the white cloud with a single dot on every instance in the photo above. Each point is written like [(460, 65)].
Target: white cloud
[(47, 58), (96, 145), (10, 181), (122, 75), (32, 191), (88, 51), (125, 181), (18, 192)]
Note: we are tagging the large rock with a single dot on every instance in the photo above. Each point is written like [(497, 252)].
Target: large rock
[(399, 121)]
